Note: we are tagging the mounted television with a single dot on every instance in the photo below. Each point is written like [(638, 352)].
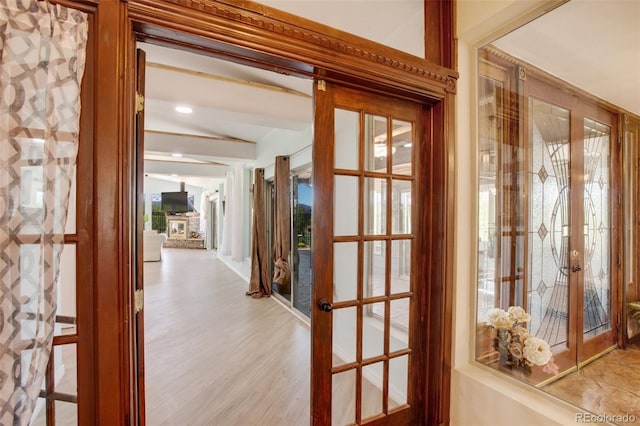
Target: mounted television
[(175, 202)]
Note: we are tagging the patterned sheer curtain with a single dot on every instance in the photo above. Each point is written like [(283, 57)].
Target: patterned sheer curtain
[(42, 57)]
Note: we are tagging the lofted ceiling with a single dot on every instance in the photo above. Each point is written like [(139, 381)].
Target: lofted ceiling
[(234, 110), (594, 45)]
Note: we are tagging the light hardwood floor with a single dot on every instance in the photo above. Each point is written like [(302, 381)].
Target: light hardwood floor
[(215, 356)]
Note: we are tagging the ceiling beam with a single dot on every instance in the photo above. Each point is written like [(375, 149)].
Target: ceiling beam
[(217, 147), (184, 169), (216, 77)]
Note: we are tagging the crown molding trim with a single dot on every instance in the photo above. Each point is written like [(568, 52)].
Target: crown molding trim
[(241, 29)]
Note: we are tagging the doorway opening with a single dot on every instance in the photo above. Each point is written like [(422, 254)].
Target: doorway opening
[(240, 118), (423, 93)]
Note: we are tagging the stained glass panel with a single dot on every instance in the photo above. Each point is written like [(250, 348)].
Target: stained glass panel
[(597, 228), (549, 223)]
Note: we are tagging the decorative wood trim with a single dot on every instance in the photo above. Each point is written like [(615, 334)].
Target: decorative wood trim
[(86, 231), (112, 211), (439, 32), (266, 37)]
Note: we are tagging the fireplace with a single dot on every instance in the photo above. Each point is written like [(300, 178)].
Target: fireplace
[(177, 229), (183, 231)]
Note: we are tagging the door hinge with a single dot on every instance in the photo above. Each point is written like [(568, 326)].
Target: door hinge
[(139, 300), (619, 198), (139, 102), (322, 85), (619, 260)]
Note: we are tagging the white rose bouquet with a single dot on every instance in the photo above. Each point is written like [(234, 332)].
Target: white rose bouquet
[(518, 348)]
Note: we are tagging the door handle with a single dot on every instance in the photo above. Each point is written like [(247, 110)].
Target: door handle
[(576, 268), (325, 305)]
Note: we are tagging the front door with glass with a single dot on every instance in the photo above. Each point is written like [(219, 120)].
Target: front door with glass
[(571, 291), (547, 214)]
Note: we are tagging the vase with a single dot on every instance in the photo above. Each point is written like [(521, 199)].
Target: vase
[(502, 343)]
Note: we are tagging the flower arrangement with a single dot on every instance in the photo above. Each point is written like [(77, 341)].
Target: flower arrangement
[(518, 348)]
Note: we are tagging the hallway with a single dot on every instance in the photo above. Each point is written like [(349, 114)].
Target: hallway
[(215, 356)]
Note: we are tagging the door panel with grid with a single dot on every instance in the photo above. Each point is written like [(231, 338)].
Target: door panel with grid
[(365, 171)]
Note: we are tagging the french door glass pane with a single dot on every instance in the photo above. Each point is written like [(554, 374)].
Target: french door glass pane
[(402, 147), (375, 204), (401, 206), (372, 330), (400, 320), (400, 266), (66, 413), (66, 369), (346, 205), (70, 226), (347, 131), (398, 375), (66, 310), (372, 378), (549, 223), (597, 224), (376, 146), (344, 336), (345, 271), (343, 394), (375, 262)]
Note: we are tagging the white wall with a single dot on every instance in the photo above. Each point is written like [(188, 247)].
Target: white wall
[(285, 142), (480, 396)]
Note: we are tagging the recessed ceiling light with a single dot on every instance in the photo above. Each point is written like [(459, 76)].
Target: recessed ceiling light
[(174, 175), (176, 155), (184, 109), (407, 145)]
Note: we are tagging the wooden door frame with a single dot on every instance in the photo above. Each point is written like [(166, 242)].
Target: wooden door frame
[(630, 124), (253, 34)]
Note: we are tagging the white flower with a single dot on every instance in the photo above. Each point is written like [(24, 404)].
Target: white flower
[(518, 314), (499, 319), (521, 332), (537, 351)]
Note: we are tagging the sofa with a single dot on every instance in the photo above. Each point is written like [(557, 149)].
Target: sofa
[(152, 245)]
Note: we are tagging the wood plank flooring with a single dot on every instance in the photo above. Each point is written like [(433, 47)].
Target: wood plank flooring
[(215, 356)]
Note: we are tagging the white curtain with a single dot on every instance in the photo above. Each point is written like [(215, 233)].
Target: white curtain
[(204, 212), (237, 209), (227, 214), (42, 57)]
